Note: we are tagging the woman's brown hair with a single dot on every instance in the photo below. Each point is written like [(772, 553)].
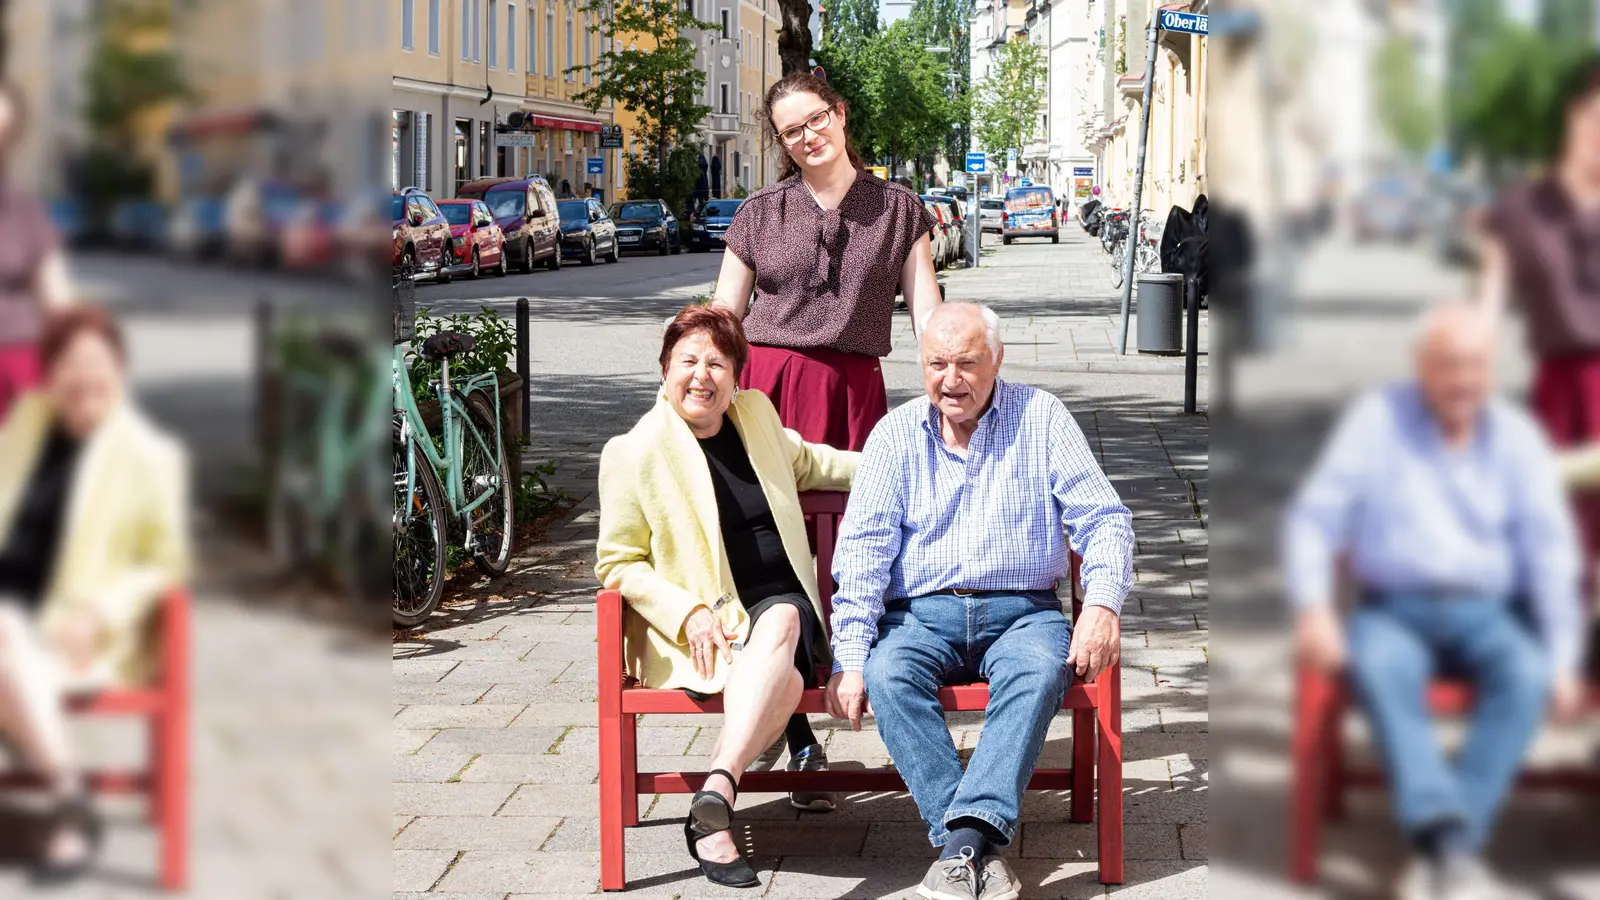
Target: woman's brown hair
[(802, 83), (723, 327), (63, 326)]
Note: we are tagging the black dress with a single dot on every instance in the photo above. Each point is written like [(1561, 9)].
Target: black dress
[(756, 557), (29, 554)]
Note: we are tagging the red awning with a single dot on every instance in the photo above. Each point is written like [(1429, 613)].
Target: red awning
[(563, 123)]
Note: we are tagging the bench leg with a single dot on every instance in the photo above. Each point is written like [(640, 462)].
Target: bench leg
[(1314, 696), (1108, 771), (630, 771), (1333, 774), (153, 766), (613, 874), (171, 794), (1083, 751)]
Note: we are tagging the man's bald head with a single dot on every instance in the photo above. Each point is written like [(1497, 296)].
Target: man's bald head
[(1455, 354)]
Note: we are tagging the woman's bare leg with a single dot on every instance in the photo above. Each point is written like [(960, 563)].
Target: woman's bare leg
[(762, 692), (31, 718)]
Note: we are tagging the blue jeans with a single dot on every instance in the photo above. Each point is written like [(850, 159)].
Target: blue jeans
[(1016, 642), (1398, 642)]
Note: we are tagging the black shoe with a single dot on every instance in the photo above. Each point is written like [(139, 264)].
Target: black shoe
[(75, 812), (711, 813)]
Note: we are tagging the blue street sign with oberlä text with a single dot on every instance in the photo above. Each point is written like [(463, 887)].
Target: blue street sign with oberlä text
[(977, 162), (1173, 20)]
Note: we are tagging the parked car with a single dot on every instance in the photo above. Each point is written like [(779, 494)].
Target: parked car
[(138, 224), (711, 223), (525, 210), (1030, 212), (198, 228), (1459, 210), (256, 212), (647, 225), (990, 210), (1388, 210), (477, 244), (421, 234), (956, 213), (587, 233), (939, 243), (310, 237)]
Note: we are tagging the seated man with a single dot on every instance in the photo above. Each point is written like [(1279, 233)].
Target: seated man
[(1446, 506), (949, 556)]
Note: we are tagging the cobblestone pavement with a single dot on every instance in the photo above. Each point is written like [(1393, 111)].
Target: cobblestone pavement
[(494, 717)]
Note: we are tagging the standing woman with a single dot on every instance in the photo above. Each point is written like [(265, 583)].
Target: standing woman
[(1542, 252), (824, 250), (33, 271)]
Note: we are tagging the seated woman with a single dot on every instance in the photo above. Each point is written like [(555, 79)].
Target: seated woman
[(701, 531), (92, 532)]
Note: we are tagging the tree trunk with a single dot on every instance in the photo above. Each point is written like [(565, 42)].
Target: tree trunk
[(794, 42)]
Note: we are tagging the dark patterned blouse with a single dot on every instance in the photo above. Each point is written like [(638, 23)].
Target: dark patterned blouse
[(827, 278)]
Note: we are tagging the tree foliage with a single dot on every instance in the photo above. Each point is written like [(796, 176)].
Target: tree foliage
[(947, 23), (1405, 105), (1005, 105), (131, 72), (659, 84), (1506, 108), (898, 91)]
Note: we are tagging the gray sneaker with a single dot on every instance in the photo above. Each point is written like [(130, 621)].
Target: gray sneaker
[(951, 879), (810, 759), (997, 880)]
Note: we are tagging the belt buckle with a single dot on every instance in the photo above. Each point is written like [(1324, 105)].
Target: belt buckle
[(963, 592)]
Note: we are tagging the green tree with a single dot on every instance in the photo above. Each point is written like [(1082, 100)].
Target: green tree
[(660, 84), (912, 111), (849, 33), (1406, 106), (1507, 109), (129, 74), (1005, 106), (946, 23)]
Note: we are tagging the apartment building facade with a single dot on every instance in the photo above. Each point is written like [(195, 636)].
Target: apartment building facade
[(740, 59)]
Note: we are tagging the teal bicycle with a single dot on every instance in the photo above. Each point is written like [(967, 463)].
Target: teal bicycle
[(459, 480)]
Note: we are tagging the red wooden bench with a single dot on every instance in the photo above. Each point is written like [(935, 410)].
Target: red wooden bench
[(166, 704), (621, 702), (1320, 774)]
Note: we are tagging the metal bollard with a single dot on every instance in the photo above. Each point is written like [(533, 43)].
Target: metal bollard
[(522, 367), (1191, 348)]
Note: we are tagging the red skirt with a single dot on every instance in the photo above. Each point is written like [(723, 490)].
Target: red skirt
[(19, 373), (828, 396), (1566, 398)]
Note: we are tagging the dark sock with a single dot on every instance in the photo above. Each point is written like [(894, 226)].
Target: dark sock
[(798, 733), (962, 838), (1441, 839)]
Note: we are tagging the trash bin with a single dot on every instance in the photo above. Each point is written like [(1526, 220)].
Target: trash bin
[(1159, 308)]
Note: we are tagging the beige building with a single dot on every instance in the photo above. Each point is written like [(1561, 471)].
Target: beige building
[(740, 58)]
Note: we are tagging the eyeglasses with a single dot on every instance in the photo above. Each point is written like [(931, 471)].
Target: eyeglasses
[(818, 121)]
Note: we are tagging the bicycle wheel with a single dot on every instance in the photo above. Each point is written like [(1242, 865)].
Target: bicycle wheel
[(494, 522), (1119, 262), (420, 533)]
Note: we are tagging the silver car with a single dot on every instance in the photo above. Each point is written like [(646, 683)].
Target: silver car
[(989, 210)]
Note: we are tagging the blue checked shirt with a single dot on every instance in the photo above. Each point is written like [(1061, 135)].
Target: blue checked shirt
[(922, 519), (1408, 513)]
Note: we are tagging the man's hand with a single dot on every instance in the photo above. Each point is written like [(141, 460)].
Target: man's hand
[(1566, 697), (847, 697), (1319, 639), (1096, 642), (706, 636)]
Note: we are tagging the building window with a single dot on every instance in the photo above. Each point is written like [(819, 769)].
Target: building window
[(549, 41), (724, 90), (511, 36), (727, 27), (494, 34), (466, 29), (408, 25), (483, 149), (463, 145), (433, 27), (572, 55)]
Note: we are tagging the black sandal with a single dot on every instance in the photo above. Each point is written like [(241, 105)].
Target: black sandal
[(76, 812), (711, 813)]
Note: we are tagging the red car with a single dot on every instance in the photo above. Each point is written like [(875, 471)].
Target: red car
[(477, 244)]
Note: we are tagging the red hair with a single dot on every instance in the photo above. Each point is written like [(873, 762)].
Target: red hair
[(63, 326), (724, 329)]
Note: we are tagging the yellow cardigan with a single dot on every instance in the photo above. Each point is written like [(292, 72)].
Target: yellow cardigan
[(661, 541), (125, 540)]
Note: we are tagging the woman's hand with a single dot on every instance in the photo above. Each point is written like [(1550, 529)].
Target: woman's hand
[(706, 636)]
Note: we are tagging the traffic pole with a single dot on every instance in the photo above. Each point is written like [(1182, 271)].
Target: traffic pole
[(1135, 232), (1191, 349)]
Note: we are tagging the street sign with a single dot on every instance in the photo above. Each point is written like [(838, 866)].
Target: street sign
[(610, 137), (1083, 171), (1011, 162), (513, 139), (819, 74), (597, 165), (977, 161), (1192, 23), (1011, 154)]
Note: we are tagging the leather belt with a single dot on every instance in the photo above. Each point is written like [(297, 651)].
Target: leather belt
[(964, 592)]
